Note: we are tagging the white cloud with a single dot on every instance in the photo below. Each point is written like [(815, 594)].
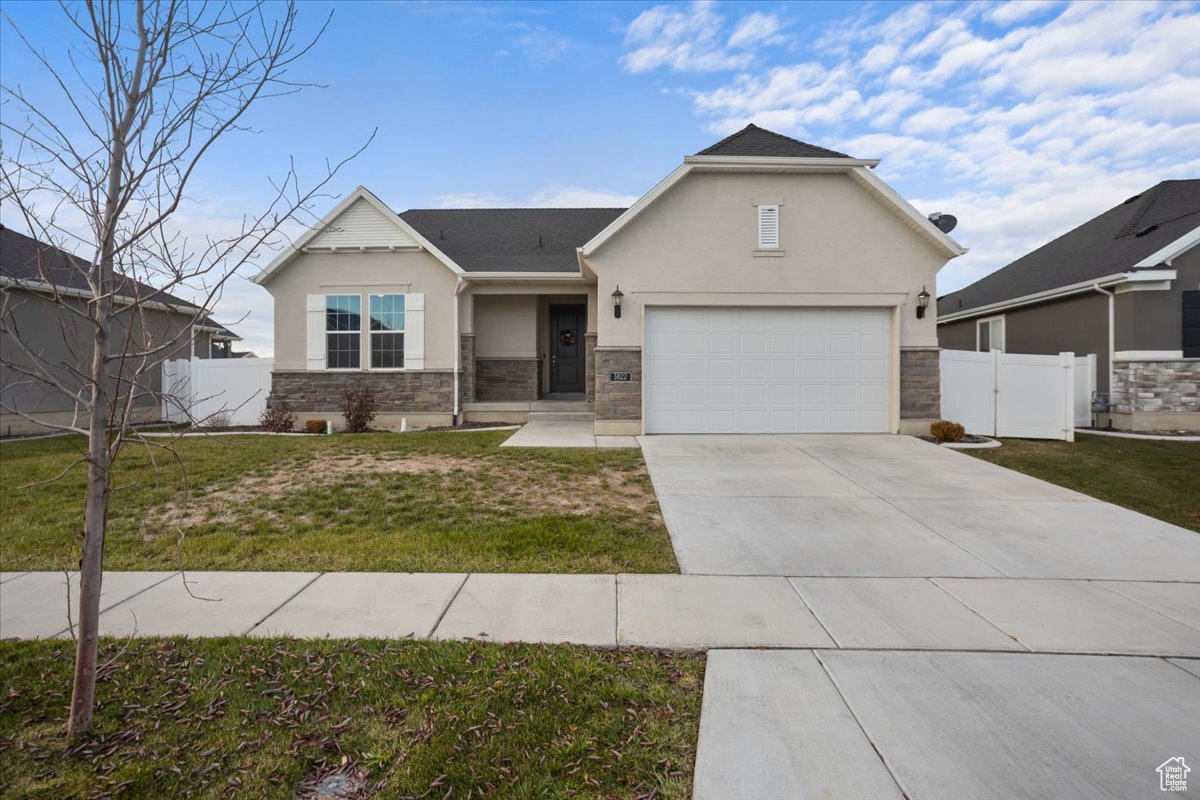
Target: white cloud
[(689, 39), (1021, 128)]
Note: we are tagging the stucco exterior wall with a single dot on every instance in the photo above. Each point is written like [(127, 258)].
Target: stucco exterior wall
[(506, 326), (363, 273), (696, 246), (1153, 319)]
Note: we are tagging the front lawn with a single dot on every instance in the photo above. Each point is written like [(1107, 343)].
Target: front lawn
[(260, 718), (431, 502), (1159, 479)]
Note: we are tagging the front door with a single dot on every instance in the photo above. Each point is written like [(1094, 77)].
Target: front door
[(566, 348)]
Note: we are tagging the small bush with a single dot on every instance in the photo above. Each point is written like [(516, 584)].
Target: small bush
[(278, 417), (315, 425), (358, 407), (946, 431), (220, 419)]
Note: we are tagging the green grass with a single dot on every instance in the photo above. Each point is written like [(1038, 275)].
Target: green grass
[(1159, 479), (373, 502), (253, 718)]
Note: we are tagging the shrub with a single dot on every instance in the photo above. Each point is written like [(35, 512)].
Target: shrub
[(358, 407), (946, 431), (278, 417), (219, 419), (315, 425)]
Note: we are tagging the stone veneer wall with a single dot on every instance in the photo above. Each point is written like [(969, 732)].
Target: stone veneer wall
[(506, 379), (395, 392), (618, 401), (466, 383), (920, 384), (1157, 386), (589, 365)]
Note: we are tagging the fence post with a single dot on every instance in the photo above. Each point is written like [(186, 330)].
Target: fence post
[(1067, 360), (996, 355)]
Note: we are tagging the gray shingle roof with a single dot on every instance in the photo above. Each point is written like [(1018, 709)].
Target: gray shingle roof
[(511, 239), (755, 141), (1110, 243), (25, 259)]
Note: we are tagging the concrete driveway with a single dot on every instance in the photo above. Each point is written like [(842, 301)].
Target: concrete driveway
[(918, 562), (892, 506)]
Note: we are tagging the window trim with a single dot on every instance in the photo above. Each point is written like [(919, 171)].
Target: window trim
[(1003, 333), (403, 332), (349, 332)]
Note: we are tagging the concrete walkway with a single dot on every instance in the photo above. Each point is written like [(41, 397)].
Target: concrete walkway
[(672, 611), (566, 433)]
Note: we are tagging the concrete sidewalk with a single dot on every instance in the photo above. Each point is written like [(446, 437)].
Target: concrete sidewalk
[(670, 611)]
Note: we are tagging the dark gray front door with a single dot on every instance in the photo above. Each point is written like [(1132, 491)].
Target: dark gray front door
[(567, 324)]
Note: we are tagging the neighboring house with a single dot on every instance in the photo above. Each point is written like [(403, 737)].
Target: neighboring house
[(1125, 286), (765, 285), (31, 274)]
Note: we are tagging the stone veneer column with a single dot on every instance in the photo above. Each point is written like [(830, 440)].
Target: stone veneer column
[(466, 378), (589, 365), (618, 403), (920, 389), (506, 379)]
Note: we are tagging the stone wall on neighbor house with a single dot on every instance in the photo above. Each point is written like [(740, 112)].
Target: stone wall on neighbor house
[(618, 401), (920, 385), (419, 391), (1171, 387), (466, 383), (506, 379)]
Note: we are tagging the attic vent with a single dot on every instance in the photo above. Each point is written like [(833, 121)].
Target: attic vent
[(1145, 230), (768, 227), (1130, 200)]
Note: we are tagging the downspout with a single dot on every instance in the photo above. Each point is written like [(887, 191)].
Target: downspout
[(1112, 342), (457, 350)]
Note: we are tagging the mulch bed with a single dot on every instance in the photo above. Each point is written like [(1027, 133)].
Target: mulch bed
[(967, 439)]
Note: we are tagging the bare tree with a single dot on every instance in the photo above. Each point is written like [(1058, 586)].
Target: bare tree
[(147, 89)]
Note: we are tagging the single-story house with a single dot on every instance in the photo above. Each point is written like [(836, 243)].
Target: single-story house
[(1124, 286), (32, 326), (764, 285)]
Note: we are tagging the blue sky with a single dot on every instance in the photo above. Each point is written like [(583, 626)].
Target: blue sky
[(1023, 119)]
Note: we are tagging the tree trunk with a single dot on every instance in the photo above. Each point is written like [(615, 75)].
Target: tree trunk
[(91, 568)]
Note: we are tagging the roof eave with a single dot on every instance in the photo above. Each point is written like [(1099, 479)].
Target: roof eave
[(1166, 255), (1113, 280)]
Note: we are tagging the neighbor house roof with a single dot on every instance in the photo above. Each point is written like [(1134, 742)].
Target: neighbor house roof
[(755, 141), (1119, 240), (26, 262), (511, 239)]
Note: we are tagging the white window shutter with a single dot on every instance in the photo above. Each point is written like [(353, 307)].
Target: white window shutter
[(768, 227), (315, 317), (414, 331)]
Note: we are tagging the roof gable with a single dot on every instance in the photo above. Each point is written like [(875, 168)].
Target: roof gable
[(759, 142), (1119, 240), (362, 225)]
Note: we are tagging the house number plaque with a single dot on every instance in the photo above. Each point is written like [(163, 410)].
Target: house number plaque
[(620, 377)]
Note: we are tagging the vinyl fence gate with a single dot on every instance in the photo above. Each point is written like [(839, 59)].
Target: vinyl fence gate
[(199, 389), (1014, 394)]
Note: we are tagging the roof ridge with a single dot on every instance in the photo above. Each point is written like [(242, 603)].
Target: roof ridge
[(714, 149)]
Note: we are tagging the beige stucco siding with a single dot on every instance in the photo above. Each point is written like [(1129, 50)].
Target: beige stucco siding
[(696, 246), (363, 273), (506, 326)]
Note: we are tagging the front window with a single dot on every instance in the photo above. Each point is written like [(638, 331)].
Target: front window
[(343, 331), (387, 331), (991, 335)]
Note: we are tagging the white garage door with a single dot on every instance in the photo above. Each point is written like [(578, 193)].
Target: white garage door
[(767, 370)]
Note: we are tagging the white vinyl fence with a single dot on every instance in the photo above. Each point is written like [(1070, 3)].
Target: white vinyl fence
[(195, 390), (1012, 394)]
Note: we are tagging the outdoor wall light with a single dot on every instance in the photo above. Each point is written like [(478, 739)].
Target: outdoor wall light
[(922, 303), (617, 296)]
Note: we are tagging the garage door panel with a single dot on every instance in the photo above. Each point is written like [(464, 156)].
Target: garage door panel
[(754, 370)]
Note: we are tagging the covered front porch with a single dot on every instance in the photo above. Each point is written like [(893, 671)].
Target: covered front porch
[(527, 349)]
